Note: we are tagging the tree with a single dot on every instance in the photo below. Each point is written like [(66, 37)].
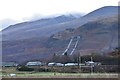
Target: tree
[(65, 54), (54, 58), (65, 58)]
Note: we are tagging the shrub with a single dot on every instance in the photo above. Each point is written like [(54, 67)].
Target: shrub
[(24, 68)]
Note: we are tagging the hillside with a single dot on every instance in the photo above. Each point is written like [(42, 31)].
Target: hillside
[(50, 26), (97, 36), (36, 28), (25, 43)]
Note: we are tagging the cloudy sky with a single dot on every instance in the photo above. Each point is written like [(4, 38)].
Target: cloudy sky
[(13, 11)]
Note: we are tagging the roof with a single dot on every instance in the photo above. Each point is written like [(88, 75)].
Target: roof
[(91, 62), (59, 64), (71, 64), (35, 63), (9, 64), (51, 63)]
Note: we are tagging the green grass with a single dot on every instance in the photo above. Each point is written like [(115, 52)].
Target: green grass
[(52, 74), (8, 71)]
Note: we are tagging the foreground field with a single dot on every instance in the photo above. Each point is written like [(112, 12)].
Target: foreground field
[(5, 73), (60, 75)]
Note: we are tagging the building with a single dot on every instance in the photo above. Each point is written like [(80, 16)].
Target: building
[(91, 63), (51, 64), (55, 64), (71, 64), (9, 64), (59, 64), (34, 63)]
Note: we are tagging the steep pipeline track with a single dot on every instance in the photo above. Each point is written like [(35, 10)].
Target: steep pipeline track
[(69, 44)]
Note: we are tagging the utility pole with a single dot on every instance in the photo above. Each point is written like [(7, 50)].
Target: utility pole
[(91, 65), (79, 61)]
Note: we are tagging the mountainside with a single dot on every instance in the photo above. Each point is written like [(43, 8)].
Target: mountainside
[(96, 35), (48, 27), (103, 12), (32, 29), (100, 35)]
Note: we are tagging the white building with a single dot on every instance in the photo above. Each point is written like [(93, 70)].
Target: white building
[(71, 64), (51, 64), (59, 64), (55, 64), (91, 63), (9, 64), (36, 63)]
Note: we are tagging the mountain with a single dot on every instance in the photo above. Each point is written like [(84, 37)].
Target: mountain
[(48, 27), (97, 35), (103, 12), (6, 22), (100, 35), (34, 28)]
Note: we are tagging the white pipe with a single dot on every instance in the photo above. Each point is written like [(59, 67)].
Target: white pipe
[(74, 47), (67, 47)]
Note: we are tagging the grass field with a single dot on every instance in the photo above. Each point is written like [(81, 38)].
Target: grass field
[(52, 74), (7, 71)]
